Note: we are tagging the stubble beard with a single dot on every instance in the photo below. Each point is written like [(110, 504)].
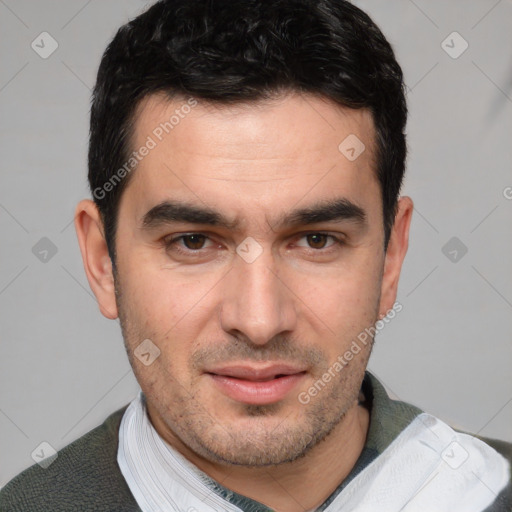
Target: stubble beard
[(265, 444), (273, 438)]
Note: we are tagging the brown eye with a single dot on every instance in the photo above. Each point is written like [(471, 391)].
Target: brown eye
[(194, 242), (317, 240)]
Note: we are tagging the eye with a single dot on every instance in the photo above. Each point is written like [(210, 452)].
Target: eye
[(319, 241), (194, 241), (191, 242)]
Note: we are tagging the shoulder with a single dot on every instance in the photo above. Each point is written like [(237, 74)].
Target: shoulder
[(84, 476), (501, 447), (471, 462), (503, 502)]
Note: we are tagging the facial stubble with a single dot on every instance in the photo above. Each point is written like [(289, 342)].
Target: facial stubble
[(267, 435)]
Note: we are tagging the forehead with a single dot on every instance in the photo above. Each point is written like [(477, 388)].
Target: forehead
[(290, 122), (271, 152)]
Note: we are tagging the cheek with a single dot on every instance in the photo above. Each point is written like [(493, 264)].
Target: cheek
[(161, 298), (352, 286), (169, 310), (345, 303)]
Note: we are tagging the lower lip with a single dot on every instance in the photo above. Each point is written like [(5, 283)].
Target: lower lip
[(257, 393)]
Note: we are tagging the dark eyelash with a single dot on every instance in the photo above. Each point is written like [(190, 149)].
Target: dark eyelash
[(170, 242), (333, 237)]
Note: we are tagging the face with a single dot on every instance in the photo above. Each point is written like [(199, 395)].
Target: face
[(250, 252)]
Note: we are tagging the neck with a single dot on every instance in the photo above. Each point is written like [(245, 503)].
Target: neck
[(303, 484)]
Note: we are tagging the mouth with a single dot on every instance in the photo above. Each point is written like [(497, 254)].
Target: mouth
[(255, 384)]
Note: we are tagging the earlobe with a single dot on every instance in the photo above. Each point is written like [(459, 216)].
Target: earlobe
[(395, 254), (95, 257)]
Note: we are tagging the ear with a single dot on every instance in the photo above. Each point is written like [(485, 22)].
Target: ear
[(395, 254), (97, 263)]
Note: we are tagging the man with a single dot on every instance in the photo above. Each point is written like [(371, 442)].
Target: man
[(245, 161)]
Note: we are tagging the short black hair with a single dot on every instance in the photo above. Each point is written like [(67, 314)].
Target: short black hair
[(236, 51)]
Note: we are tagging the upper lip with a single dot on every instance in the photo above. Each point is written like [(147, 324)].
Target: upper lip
[(253, 373)]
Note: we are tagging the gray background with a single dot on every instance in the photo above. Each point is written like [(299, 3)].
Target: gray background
[(62, 365)]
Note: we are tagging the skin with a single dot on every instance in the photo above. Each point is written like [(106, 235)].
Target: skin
[(302, 301)]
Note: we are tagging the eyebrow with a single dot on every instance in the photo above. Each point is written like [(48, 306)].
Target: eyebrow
[(170, 211)]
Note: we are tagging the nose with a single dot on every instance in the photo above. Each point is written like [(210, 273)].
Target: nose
[(257, 302)]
